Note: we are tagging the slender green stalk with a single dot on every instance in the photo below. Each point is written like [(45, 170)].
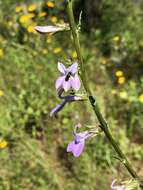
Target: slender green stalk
[(92, 100)]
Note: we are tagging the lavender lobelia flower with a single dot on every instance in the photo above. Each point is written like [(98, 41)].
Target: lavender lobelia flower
[(55, 110), (69, 78), (66, 100), (117, 187), (77, 145)]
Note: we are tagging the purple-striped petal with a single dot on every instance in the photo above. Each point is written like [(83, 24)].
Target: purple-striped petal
[(75, 82), (61, 68), (73, 68), (59, 82)]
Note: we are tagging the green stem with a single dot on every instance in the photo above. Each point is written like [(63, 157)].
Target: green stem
[(92, 100)]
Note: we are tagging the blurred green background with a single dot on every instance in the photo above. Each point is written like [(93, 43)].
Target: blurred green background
[(33, 145)]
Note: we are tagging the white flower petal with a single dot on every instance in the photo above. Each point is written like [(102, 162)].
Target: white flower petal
[(61, 68)]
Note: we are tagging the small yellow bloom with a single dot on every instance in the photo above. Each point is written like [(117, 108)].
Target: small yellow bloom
[(32, 8), (23, 19), (50, 4), (104, 61), (31, 15), (121, 80), (57, 50), (74, 54), (44, 51), (119, 73), (42, 14), (1, 53), (123, 95), (3, 143), (141, 98), (26, 18), (1, 93), (30, 29), (54, 19), (18, 8), (116, 38)]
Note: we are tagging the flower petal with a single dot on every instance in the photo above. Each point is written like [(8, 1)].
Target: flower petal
[(47, 29), (78, 148), (82, 136), (70, 146), (73, 68), (59, 82), (75, 82), (67, 85), (61, 68), (55, 110)]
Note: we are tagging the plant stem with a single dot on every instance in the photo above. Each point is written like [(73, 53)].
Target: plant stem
[(92, 100)]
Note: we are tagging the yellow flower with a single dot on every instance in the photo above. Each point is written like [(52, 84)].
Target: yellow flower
[(3, 143), (74, 54), (18, 8), (1, 53), (42, 14), (57, 50), (31, 15), (26, 18), (54, 19), (32, 8), (1, 93), (30, 29), (121, 80), (104, 61), (116, 38), (119, 73), (50, 4), (123, 95), (141, 98), (44, 51)]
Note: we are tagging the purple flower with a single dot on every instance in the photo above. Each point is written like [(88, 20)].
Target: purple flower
[(77, 145), (57, 108), (117, 187), (66, 100), (69, 78)]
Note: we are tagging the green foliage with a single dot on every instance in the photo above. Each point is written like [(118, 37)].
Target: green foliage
[(35, 157)]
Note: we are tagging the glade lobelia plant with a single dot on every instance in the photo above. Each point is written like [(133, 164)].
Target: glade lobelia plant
[(70, 80)]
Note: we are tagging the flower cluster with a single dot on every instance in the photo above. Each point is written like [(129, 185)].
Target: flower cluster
[(69, 79)]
